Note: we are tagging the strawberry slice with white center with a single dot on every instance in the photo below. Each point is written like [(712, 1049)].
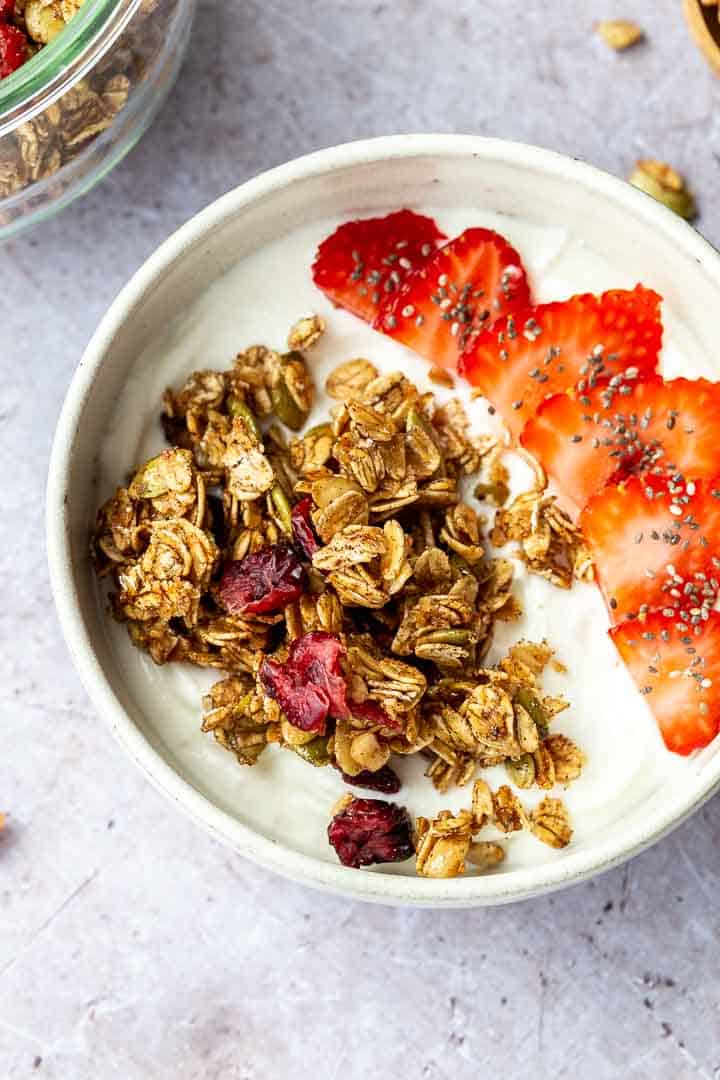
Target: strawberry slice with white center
[(576, 343), (365, 261), (655, 545), (466, 285), (584, 440), (677, 669)]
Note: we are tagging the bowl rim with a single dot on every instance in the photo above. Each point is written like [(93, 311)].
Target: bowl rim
[(575, 866)]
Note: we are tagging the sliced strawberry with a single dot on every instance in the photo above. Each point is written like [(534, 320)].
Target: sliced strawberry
[(13, 49), (655, 545), (584, 440), (364, 261), (579, 342), (466, 285), (677, 669), (678, 425)]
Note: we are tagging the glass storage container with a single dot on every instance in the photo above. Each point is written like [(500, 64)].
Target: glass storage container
[(72, 111)]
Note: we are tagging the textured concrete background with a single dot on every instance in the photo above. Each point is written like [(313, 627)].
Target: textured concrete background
[(132, 945)]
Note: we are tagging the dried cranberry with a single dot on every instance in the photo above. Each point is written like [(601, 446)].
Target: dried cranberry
[(309, 687), (303, 533), (385, 780), (316, 657), (13, 49), (264, 582), (374, 713), (371, 831)]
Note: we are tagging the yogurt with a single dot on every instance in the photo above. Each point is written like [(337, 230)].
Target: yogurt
[(256, 302)]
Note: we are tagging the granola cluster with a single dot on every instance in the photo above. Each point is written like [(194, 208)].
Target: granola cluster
[(549, 543), (344, 588), (445, 844)]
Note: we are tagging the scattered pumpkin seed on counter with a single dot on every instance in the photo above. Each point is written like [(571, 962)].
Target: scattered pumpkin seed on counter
[(665, 184), (620, 34)]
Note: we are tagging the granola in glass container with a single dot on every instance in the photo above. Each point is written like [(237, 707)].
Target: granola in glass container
[(28, 25), (96, 75)]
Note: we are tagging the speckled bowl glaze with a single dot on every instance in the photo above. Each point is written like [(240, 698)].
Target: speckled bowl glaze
[(452, 170)]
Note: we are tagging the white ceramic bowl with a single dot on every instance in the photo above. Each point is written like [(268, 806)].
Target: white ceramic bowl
[(536, 185)]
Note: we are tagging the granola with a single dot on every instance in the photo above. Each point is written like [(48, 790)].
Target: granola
[(346, 593), (549, 543), (305, 333), (550, 822), (445, 845)]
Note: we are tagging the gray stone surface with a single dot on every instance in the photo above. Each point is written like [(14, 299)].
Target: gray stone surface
[(132, 945)]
